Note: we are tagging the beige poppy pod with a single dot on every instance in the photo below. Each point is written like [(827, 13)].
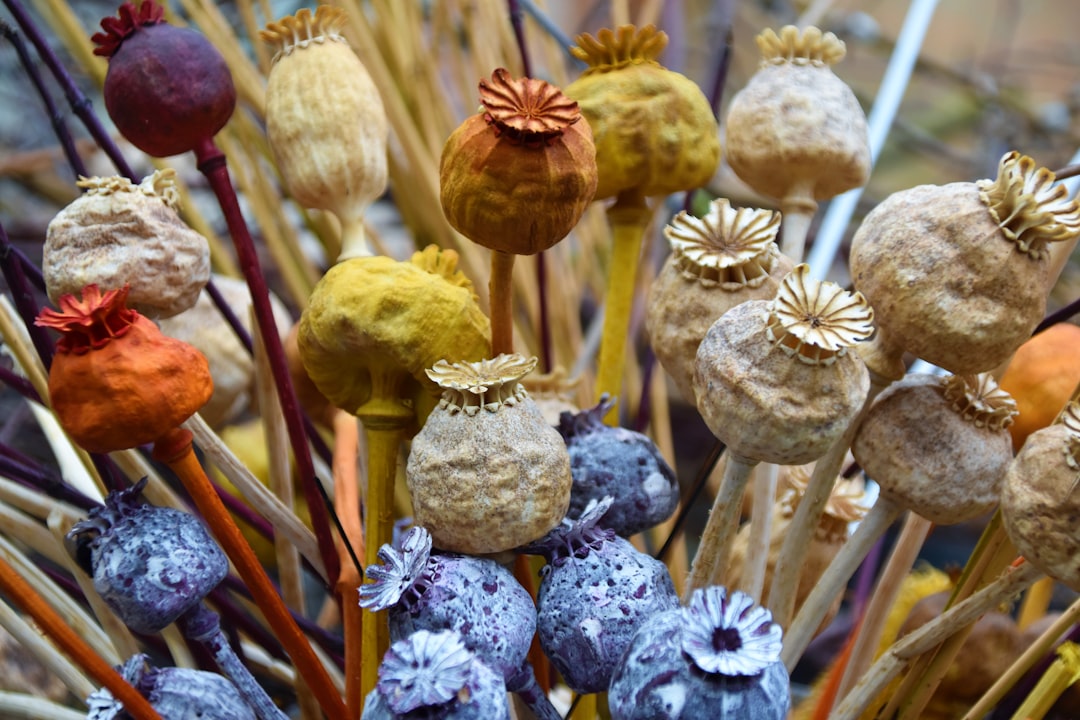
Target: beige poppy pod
[(774, 380), (842, 508), (1040, 500), (376, 315), (486, 472), (938, 446), (325, 121), (796, 132), (554, 393), (717, 261), (958, 274), (118, 233), (231, 365)]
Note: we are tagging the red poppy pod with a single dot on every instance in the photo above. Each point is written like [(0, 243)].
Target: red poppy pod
[(116, 381), (518, 176)]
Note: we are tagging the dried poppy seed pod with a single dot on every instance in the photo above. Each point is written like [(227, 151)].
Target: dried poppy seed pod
[(958, 273), (796, 132), (717, 261), (118, 233), (1040, 502), (203, 327), (325, 121), (486, 473), (377, 313), (116, 381), (517, 177), (149, 564), (938, 446), (773, 379), (654, 131)]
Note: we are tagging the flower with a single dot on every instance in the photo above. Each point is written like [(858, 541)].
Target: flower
[(425, 668), (727, 633)]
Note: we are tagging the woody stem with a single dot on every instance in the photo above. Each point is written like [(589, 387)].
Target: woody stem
[(501, 291)]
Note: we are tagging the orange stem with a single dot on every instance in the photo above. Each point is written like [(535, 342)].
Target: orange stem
[(537, 658), (24, 595), (500, 298), (174, 449), (347, 506)]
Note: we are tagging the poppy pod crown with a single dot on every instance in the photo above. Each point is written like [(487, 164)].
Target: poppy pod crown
[(117, 382)]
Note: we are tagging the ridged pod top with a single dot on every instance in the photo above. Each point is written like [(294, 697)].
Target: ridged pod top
[(527, 110), (297, 32), (129, 19), (1028, 207), (817, 321), (729, 247), (162, 185), (1070, 418), (611, 50), (91, 322), (979, 400), (488, 384), (811, 47)]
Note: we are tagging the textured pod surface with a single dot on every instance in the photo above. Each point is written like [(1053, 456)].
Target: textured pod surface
[(231, 366), (324, 116), (927, 457), (490, 481), (375, 311), (1040, 505), (622, 464), (658, 680), (945, 284), (517, 177), (796, 124), (588, 609), (118, 233), (653, 128), (765, 404)]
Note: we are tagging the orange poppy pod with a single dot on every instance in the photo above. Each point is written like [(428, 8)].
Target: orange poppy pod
[(116, 381), (518, 176)]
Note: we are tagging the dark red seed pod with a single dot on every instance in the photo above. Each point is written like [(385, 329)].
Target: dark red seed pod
[(167, 89)]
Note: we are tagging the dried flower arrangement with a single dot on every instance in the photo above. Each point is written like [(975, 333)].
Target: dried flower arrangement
[(546, 547)]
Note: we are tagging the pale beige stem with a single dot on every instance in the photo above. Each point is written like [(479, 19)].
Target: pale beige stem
[(835, 579), (354, 242), (901, 560), (19, 706), (752, 581), (807, 515), (1025, 662), (797, 209), (892, 663), (714, 553)]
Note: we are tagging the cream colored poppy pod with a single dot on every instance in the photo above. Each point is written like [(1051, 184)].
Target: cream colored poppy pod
[(717, 261), (118, 233), (203, 327), (938, 446), (325, 121), (774, 379), (486, 472), (958, 274), (1040, 499), (796, 132)]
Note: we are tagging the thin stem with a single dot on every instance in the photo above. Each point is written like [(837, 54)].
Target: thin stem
[(691, 498), (72, 643), (175, 450), (347, 504), (23, 296), (524, 684), (79, 103), (1062, 673), (501, 293), (203, 626), (798, 210), (757, 551), (211, 162), (628, 218), (835, 579), (714, 553), (807, 515), (896, 658)]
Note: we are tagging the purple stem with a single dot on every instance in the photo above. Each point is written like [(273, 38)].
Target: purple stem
[(30, 473), (55, 116), (211, 162), (641, 421), (1059, 316), (524, 684), (79, 103), (19, 384), (23, 296), (864, 581)]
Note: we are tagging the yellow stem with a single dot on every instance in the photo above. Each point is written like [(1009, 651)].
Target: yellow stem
[(501, 292), (628, 218), (1036, 602), (1062, 673), (385, 419)]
